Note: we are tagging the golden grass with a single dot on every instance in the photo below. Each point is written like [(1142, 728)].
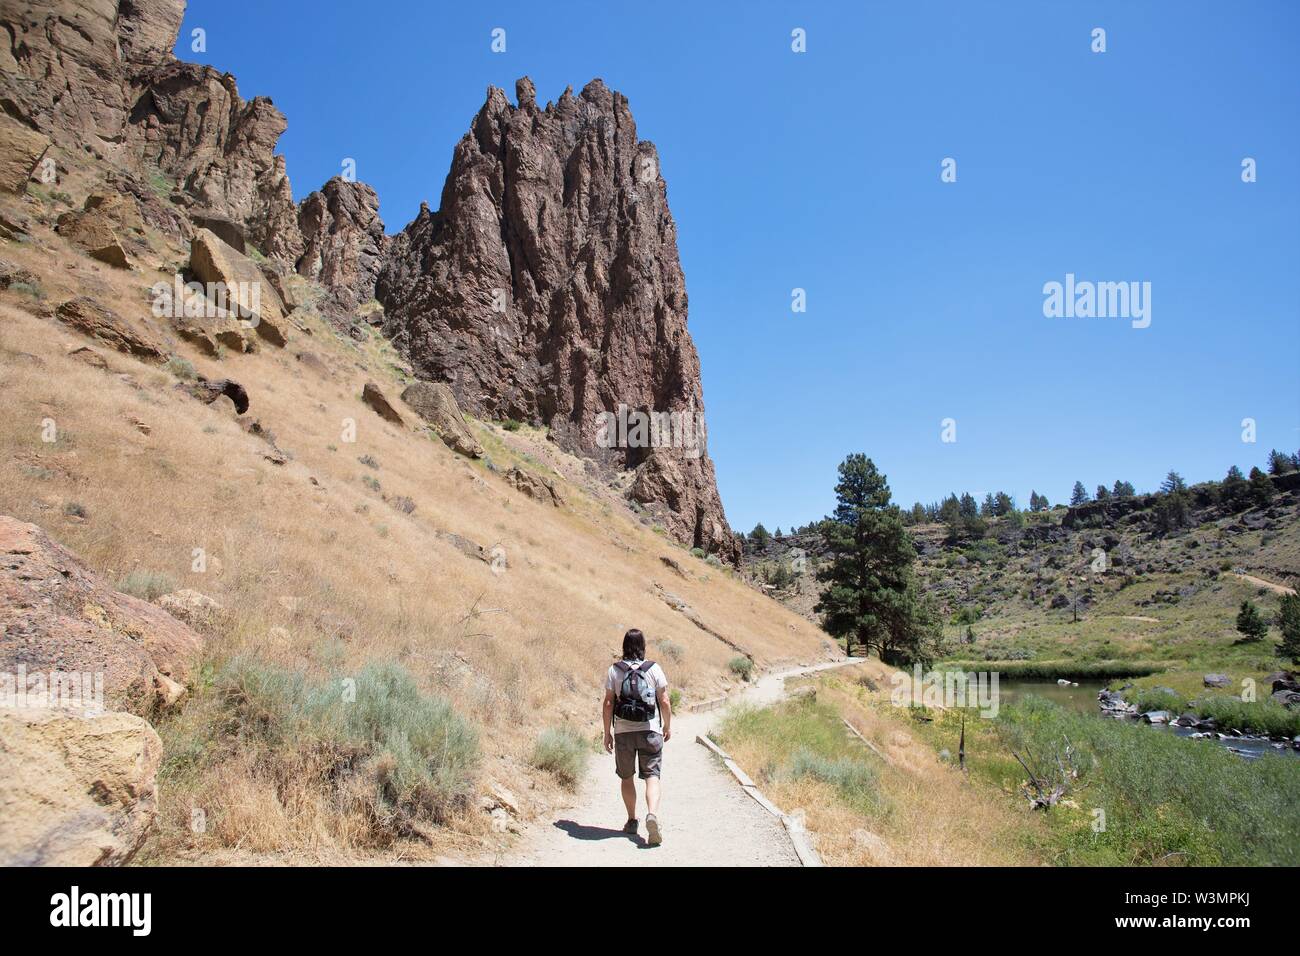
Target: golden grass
[(316, 571), (931, 814)]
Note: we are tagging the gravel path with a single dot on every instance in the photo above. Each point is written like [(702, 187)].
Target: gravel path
[(707, 819)]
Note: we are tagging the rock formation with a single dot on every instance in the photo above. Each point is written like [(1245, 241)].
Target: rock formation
[(344, 243), (548, 288), (76, 788), (55, 615)]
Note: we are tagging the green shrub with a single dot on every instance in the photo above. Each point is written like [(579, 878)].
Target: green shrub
[(511, 425), (182, 368), (675, 698), (855, 780), (146, 585), (562, 752), (376, 740), (741, 666)]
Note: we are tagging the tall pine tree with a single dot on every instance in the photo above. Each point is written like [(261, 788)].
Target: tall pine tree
[(871, 596)]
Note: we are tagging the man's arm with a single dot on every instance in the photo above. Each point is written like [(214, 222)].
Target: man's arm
[(666, 710), (607, 715)]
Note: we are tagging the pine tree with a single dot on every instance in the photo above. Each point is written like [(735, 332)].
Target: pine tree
[(871, 596), (759, 537), (1173, 484), (1280, 463), (986, 508), (1288, 619), (1250, 623), (1102, 493), (1261, 488), (1122, 489), (1234, 490), (1079, 495), (919, 514), (1003, 504)]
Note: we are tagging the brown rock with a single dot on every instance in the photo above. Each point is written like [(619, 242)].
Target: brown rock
[(76, 789), (89, 356), (344, 244), (534, 486), (373, 396), (55, 615), (246, 288), (21, 149), (93, 231), (209, 390), (90, 318), (548, 288), (435, 403)]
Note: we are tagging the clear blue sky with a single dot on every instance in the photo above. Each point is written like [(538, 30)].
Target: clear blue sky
[(821, 171)]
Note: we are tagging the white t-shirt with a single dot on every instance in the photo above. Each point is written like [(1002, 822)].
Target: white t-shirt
[(614, 680)]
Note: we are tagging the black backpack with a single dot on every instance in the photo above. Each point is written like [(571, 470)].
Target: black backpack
[(637, 697)]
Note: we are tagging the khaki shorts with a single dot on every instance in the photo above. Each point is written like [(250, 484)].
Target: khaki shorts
[(643, 748)]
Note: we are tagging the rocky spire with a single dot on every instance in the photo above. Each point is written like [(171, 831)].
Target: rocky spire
[(548, 288)]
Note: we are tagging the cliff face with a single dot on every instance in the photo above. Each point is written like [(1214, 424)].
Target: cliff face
[(548, 288)]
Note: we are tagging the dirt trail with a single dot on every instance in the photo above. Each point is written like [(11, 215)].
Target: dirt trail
[(1270, 585), (707, 819)]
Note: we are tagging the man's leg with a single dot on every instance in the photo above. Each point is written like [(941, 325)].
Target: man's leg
[(629, 796), (651, 794)]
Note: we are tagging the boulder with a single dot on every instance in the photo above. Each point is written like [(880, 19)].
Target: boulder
[(76, 788), (373, 396), (190, 606), (57, 617), (1287, 698), (93, 232), (223, 227), (209, 390), (435, 403), (1217, 680), (534, 486), (21, 149), (246, 289), (88, 317)]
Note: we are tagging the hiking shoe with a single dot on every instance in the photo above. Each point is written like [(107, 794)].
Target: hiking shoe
[(630, 827), (652, 828)]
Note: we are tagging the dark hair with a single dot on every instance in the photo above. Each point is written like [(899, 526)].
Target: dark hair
[(634, 645)]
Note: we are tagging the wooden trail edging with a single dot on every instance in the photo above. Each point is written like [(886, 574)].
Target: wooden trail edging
[(793, 825)]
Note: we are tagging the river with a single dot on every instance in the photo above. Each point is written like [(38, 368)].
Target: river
[(1083, 699)]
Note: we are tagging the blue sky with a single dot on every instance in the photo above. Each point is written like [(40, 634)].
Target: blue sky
[(821, 171)]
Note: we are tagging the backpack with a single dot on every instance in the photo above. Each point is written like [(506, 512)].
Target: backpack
[(637, 697)]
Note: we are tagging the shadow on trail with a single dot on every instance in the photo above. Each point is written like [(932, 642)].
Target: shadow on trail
[(580, 831)]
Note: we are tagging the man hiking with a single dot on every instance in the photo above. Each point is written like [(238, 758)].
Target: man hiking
[(637, 719)]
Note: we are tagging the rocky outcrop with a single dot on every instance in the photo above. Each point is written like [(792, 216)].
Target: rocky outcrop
[(534, 486), (343, 243), (190, 123), (20, 150), (435, 403), (245, 288), (88, 317), (57, 616), (548, 288), (374, 396), (66, 65), (76, 788)]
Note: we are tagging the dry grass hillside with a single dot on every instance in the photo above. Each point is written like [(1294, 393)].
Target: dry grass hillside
[(338, 559)]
